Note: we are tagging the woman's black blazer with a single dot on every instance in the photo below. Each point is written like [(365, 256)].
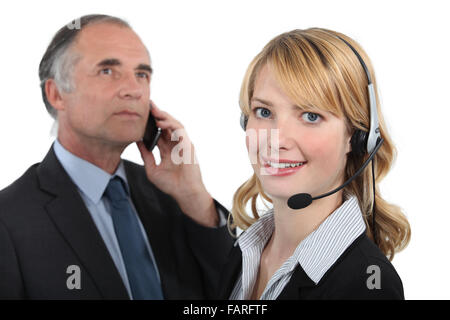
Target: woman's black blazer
[(352, 276)]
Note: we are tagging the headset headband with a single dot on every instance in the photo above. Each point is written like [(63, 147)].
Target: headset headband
[(374, 129)]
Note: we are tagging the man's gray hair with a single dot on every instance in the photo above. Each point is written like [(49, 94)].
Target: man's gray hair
[(58, 60)]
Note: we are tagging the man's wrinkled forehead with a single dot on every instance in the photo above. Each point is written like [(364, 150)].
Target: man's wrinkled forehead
[(106, 39)]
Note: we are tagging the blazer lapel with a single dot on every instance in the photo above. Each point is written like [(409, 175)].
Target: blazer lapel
[(156, 225), (230, 273), (71, 217), (293, 288)]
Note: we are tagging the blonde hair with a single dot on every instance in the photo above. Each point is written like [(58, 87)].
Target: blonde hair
[(318, 70)]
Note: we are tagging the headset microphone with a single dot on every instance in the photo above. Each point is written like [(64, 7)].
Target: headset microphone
[(302, 200)]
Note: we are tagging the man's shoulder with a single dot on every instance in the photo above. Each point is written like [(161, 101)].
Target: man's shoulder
[(21, 187), (136, 173), (22, 195), (133, 166), (137, 178)]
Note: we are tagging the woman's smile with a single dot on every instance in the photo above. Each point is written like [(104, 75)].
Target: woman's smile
[(282, 167)]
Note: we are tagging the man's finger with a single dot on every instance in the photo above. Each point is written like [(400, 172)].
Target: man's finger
[(158, 113), (147, 156)]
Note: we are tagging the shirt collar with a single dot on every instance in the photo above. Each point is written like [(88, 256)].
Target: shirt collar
[(321, 248), (89, 178)]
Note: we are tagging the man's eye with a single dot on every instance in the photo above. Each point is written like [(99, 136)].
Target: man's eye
[(106, 71), (262, 112), (311, 117), (143, 75)]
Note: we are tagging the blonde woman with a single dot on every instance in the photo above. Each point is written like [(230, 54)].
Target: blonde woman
[(308, 91)]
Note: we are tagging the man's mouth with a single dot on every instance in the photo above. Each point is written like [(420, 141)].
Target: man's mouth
[(127, 113)]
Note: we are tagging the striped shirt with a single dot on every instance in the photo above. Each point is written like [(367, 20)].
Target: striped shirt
[(315, 254)]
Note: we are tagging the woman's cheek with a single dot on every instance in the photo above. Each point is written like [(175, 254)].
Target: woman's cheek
[(321, 149)]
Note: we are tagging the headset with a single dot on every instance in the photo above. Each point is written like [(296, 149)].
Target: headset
[(362, 142)]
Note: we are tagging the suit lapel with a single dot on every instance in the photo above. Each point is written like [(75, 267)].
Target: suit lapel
[(71, 217), (156, 224)]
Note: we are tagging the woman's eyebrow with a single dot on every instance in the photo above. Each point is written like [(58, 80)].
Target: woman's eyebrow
[(301, 107), (295, 107), (267, 103)]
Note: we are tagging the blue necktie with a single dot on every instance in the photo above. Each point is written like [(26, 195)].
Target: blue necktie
[(140, 269)]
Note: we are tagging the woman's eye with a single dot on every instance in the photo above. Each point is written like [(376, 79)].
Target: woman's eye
[(311, 117), (262, 112)]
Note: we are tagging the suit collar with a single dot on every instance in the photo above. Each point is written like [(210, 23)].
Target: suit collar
[(89, 178), (72, 219)]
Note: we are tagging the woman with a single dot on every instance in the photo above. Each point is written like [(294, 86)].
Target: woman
[(308, 92)]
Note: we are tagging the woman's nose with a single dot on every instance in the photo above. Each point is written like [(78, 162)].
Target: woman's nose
[(282, 137)]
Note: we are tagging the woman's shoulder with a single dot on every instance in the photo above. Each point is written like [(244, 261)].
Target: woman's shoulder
[(362, 272)]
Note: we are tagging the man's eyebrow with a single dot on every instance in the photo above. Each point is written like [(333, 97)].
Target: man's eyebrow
[(145, 67), (109, 63), (116, 62)]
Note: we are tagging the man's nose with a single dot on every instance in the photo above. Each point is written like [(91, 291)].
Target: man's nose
[(130, 87)]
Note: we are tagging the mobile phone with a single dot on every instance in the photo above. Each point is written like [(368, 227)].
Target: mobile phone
[(152, 132)]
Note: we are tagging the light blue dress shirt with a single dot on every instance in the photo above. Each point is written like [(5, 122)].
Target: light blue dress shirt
[(91, 182)]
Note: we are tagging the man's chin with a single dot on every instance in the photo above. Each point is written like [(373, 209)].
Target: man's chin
[(125, 141)]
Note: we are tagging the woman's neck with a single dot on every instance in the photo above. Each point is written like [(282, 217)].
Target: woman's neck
[(293, 226)]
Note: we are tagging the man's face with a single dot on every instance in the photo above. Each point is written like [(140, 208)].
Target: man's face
[(110, 100)]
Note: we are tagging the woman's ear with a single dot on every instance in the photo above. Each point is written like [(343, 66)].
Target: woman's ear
[(348, 143)]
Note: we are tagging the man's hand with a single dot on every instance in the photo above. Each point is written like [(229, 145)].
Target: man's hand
[(178, 174)]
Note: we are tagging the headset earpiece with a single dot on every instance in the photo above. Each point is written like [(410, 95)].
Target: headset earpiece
[(359, 143), (243, 121)]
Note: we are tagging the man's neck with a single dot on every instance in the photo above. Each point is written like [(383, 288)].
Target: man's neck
[(100, 154)]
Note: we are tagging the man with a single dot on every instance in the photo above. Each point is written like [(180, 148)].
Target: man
[(84, 224)]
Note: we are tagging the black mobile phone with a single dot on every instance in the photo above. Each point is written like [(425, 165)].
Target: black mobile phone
[(152, 132)]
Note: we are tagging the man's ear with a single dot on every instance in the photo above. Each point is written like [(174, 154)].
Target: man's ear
[(53, 95)]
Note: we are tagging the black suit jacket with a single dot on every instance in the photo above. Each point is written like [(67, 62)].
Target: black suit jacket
[(45, 227), (346, 279)]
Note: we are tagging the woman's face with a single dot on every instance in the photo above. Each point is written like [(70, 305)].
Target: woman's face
[(306, 153)]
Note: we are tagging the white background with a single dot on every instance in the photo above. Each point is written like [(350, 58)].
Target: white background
[(200, 51)]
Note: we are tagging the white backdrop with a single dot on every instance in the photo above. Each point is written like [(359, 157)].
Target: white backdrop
[(200, 51)]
